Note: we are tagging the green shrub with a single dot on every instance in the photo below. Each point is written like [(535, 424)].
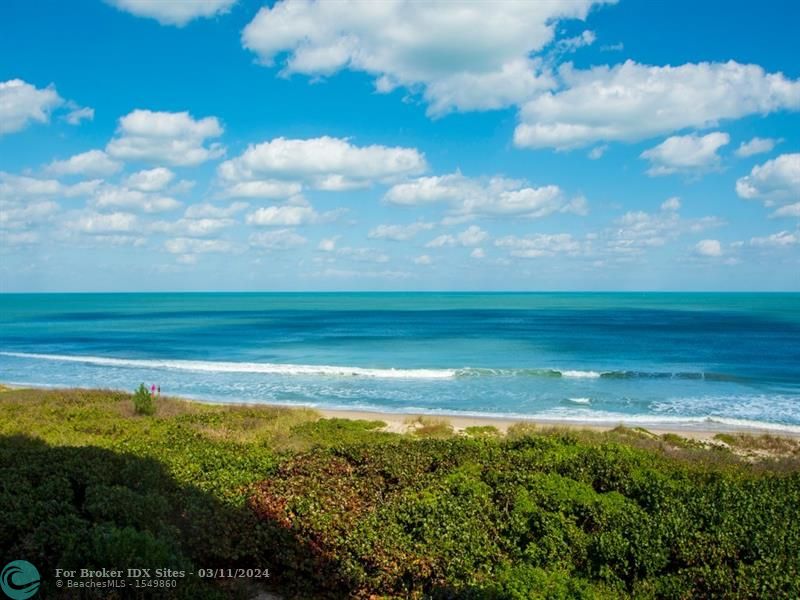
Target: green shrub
[(364, 513), (143, 401)]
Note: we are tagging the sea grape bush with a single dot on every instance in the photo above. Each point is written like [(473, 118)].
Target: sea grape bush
[(537, 517), (143, 402)]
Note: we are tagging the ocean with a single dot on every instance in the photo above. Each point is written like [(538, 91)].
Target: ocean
[(639, 358)]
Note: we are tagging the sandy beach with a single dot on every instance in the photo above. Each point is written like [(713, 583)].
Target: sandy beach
[(404, 423)]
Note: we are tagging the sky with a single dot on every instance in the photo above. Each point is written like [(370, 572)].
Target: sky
[(157, 145)]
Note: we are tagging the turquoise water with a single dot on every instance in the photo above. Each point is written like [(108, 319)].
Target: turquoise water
[(638, 358)]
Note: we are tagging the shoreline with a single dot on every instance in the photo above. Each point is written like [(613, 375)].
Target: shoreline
[(404, 422)]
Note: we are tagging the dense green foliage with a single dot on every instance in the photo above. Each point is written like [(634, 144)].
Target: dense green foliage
[(337, 508), (143, 401)]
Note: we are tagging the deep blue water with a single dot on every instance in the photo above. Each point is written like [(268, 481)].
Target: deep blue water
[(650, 357)]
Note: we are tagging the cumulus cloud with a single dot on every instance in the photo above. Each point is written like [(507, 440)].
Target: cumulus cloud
[(112, 196), (18, 215), (174, 138), (598, 151), (279, 239), (398, 233), (292, 215), (472, 56), (328, 244), (94, 223), (709, 248), (175, 12), (776, 180), (782, 239), (22, 238), (790, 210), (471, 236), (268, 188), (93, 162), (635, 231), (191, 227), (22, 103), (323, 163), (150, 180), (756, 145), (211, 211), (497, 196), (673, 203), (78, 114), (362, 254), (423, 259), (631, 102), (685, 153), (540, 245), (22, 187), (185, 245)]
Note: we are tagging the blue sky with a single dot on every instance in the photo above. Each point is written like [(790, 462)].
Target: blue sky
[(224, 145)]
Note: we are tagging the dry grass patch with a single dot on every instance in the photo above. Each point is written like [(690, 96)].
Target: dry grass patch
[(432, 427)]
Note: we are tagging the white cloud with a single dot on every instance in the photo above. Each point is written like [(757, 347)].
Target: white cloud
[(184, 245), (478, 253), (598, 151), (782, 239), (206, 210), (150, 180), (94, 223), (279, 239), (461, 56), (775, 180), (175, 138), (586, 38), (192, 227), (362, 273), (471, 236), (14, 187), (631, 102), (790, 210), (291, 215), (398, 233), (121, 240), (363, 254), (756, 146), (673, 203), (23, 215), (22, 188), (709, 248), (685, 153), (93, 162), (78, 114), (423, 259), (22, 103), (174, 12), (636, 230), (324, 163), (21, 238), (111, 196), (268, 188), (328, 244), (496, 197), (540, 245)]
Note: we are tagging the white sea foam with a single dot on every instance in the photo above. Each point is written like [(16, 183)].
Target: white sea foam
[(581, 374), (580, 400), (244, 367)]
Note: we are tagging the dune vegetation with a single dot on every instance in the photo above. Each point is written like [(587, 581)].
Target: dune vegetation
[(340, 508)]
